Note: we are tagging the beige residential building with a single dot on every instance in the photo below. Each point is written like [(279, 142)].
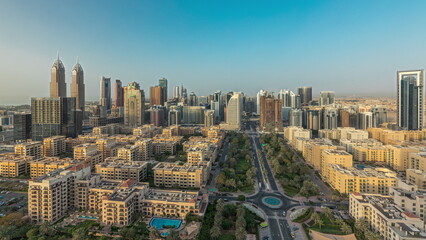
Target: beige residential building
[(417, 160), (333, 156), (82, 190), (120, 207), (107, 147), (161, 147), (369, 180), (410, 201), (145, 149), (172, 203), (370, 153), (195, 155), (54, 146), (416, 177), (343, 133), (51, 196), (88, 153), (312, 151), (33, 149), (44, 166), (383, 215), (398, 156), (390, 137), (14, 165), (147, 131), (183, 176), (116, 169), (129, 153), (97, 192), (351, 144)]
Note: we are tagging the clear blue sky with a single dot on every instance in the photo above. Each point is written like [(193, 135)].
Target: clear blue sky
[(351, 47)]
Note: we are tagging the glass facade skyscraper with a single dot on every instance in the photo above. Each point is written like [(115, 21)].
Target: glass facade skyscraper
[(410, 99)]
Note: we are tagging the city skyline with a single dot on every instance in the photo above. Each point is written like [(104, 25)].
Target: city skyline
[(210, 46)]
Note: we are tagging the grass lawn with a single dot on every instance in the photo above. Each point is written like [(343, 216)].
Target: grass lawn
[(328, 227), (290, 191), (305, 216), (226, 237)]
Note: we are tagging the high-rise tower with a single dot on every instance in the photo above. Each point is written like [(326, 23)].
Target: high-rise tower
[(118, 93), (105, 99), (163, 83), (410, 99), (58, 87), (305, 94), (78, 92), (134, 105)]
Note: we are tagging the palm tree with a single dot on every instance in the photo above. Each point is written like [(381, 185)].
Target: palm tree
[(346, 228), (173, 235), (315, 217), (320, 223), (154, 233), (215, 231)]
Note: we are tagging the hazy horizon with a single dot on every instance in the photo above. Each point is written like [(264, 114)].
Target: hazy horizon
[(343, 46)]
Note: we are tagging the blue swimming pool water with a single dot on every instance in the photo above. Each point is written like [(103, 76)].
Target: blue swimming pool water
[(160, 222), (88, 217), (272, 201)]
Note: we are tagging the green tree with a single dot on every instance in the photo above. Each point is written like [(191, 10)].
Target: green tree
[(79, 234), (154, 233), (315, 217), (215, 231), (32, 233), (345, 228), (173, 235)]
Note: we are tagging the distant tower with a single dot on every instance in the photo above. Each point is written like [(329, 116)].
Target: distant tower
[(163, 83), (118, 93), (259, 94), (326, 98), (209, 118), (156, 96), (305, 94), (176, 93), (134, 105), (105, 99), (58, 87), (410, 99), (234, 110), (78, 92)]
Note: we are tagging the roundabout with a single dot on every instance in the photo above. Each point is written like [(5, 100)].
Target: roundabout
[(272, 202)]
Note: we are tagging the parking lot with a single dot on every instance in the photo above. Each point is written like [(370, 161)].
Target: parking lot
[(12, 201)]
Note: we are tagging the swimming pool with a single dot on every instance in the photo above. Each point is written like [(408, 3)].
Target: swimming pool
[(88, 217), (160, 222)]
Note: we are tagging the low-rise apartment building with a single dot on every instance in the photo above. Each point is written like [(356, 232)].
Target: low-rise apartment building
[(181, 175), (54, 146), (44, 166), (33, 149), (383, 214), (14, 165), (52, 195), (129, 153), (368, 180), (416, 177), (121, 169), (88, 153)]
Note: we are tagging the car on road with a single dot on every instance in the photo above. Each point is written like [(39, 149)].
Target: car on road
[(265, 238), (225, 199), (284, 213)]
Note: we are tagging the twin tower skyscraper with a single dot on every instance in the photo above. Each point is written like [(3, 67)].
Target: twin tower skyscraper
[(58, 88)]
